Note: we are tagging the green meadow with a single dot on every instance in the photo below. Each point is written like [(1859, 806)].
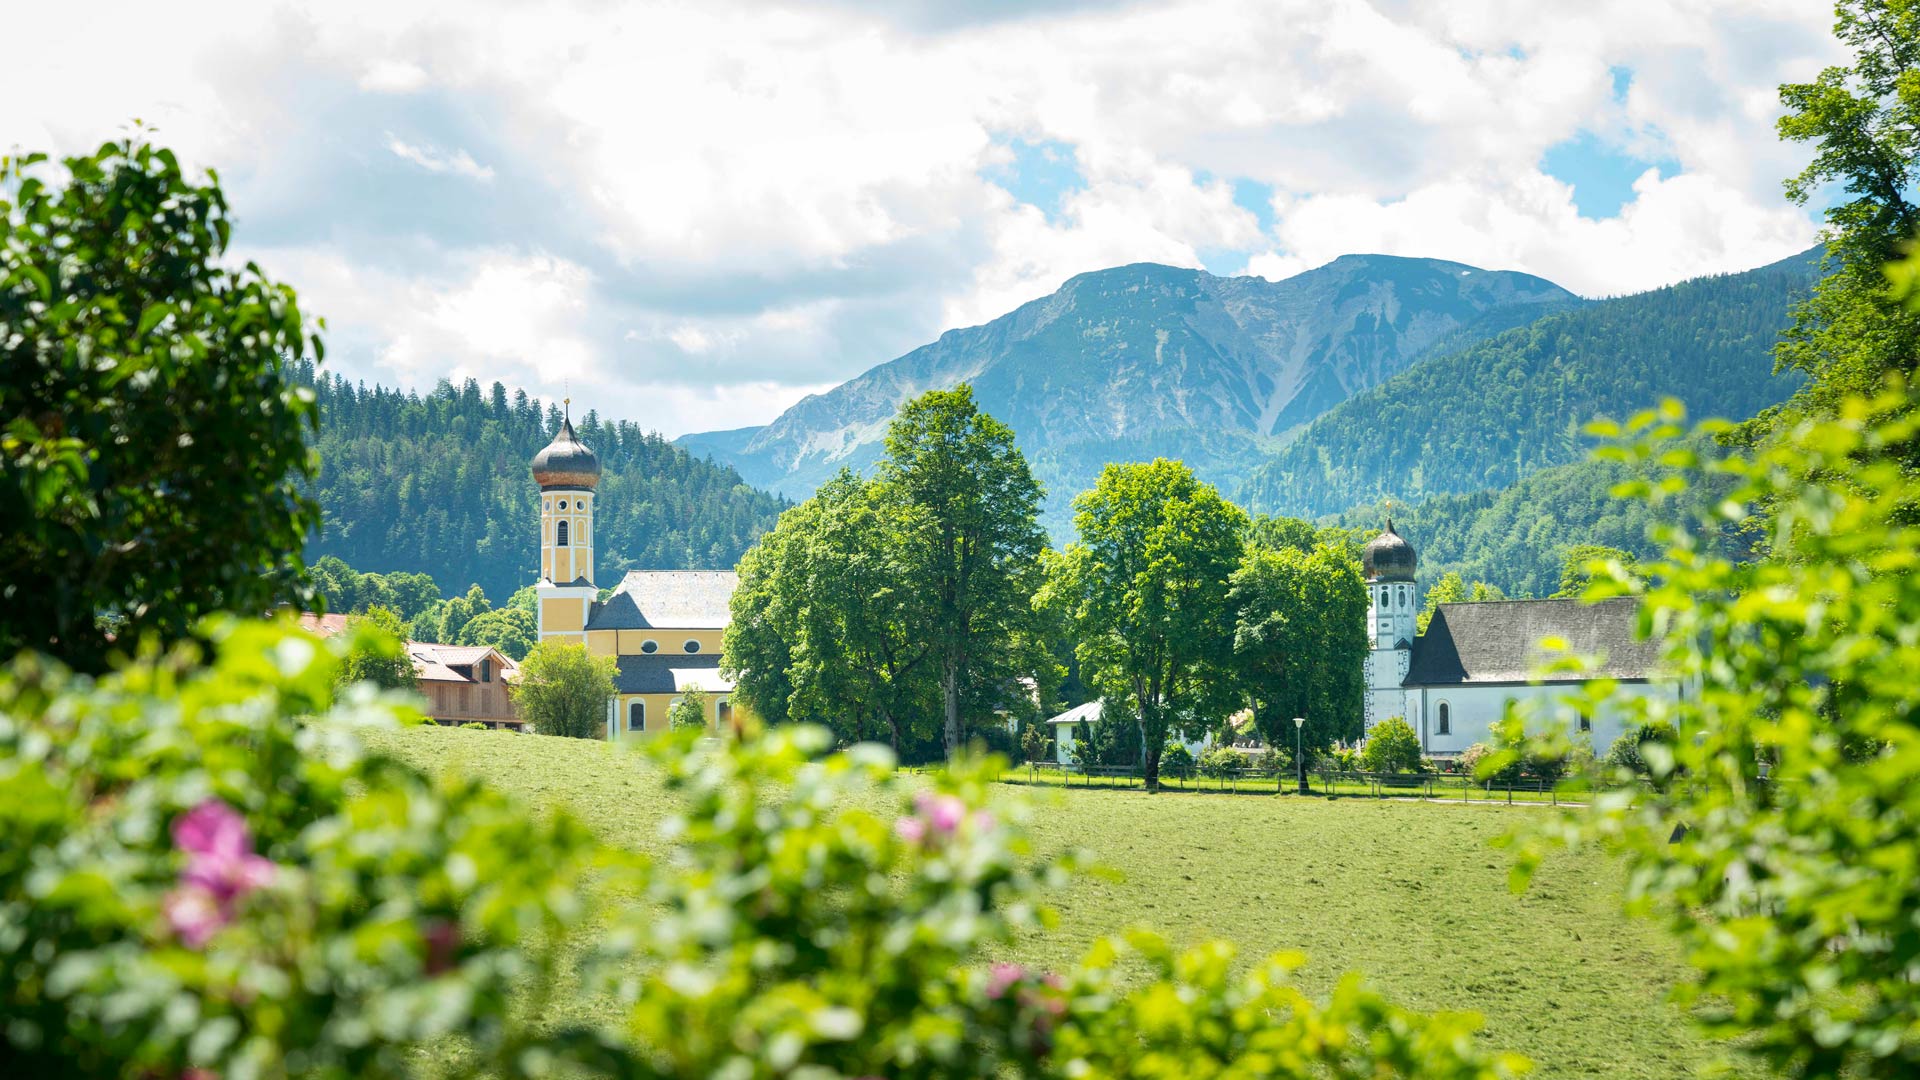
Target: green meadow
[(1409, 893)]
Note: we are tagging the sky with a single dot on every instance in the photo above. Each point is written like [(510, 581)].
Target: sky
[(693, 215)]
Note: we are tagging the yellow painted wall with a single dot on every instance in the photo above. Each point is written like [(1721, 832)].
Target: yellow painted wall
[(657, 706), (671, 642), (602, 642), (562, 615)]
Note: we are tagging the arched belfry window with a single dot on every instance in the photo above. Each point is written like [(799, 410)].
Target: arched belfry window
[(1446, 720), (637, 716), (560, 535)]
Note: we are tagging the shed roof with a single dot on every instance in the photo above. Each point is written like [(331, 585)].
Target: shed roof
[(664, 673), (668, 600), (1088, 713), (1499, 641)]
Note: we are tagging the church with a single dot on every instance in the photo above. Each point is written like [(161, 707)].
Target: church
[(1453, 682), (662, 627)]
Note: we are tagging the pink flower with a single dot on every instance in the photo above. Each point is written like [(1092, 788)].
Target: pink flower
[(221, 868), (1003, 978), (982, 821), (194, 914), (212, 828), (943, 812), (910, 829)]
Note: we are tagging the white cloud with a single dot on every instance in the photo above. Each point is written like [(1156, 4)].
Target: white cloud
[(459, 163), (741, 198), (393, 77)]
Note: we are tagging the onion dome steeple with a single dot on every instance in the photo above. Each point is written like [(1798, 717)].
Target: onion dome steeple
[(566, 462), (1388, 557)]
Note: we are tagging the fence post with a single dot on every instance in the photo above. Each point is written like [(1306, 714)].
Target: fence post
[(1509, 793)]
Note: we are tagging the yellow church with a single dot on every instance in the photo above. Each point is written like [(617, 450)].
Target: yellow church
[(663, 627)]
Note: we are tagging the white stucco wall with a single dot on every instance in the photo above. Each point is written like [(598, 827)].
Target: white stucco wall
[(1472, 710)]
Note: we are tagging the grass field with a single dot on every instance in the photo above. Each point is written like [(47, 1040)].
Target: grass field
[(1408, 892)]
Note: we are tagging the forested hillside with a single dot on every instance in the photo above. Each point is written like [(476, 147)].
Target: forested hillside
[(438, 484), (1518, 537), (1484, 416)]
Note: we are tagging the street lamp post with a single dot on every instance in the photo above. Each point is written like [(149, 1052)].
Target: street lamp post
[(1299, 758)]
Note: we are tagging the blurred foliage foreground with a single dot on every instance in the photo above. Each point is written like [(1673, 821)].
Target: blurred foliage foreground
[(206, 875)]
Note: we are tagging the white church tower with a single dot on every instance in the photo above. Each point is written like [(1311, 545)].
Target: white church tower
[(1392, 610)]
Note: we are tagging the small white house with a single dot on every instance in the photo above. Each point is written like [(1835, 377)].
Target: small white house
[(1067, 729)]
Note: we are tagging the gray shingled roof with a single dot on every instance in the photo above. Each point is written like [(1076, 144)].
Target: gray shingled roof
[(669, 673), (1499, 642), (668, 600)]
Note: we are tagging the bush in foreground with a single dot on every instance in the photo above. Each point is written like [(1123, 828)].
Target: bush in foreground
[(206, 871)]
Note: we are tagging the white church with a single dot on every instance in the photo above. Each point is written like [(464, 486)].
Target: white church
[(1454, 681)]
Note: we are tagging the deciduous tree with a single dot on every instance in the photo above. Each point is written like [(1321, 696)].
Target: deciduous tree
[(154, 445), (962, 511), (1300, 642), (1147, 586)]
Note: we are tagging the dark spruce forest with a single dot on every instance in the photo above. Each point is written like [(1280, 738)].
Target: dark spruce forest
[(437, 483)]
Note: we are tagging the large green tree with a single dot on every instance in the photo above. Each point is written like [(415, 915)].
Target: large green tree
[(514, 631), (564, 690), (1300, 642), (827, 628), (1147, 586), (1863, 119), (963, 514), (154, 444)]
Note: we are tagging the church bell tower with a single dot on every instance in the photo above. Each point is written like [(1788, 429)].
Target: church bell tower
[(567, 473), (1388, 564)]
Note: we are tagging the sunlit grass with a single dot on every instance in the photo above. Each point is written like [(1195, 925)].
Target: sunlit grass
[(1408, 892)]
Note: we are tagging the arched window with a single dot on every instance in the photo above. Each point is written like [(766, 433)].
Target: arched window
[(723, 710), (1446, 720), (560, 535), (637, 716), (1586, 722), (692, 645)]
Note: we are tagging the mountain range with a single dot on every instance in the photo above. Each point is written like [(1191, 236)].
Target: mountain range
[(1146, 360), (1368, 377)]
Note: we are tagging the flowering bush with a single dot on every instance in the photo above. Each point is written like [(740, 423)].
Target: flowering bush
[(206, 875), (203, 870)]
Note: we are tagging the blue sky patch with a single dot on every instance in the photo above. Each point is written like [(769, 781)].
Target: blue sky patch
[(1602, 176), (1041, 174)]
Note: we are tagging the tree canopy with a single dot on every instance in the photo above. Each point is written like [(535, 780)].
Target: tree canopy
[(960, 510), (154, 437), (1146, 584), (1300, 642)]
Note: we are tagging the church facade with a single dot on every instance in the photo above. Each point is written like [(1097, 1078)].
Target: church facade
[(1452, 683), (662, 627)]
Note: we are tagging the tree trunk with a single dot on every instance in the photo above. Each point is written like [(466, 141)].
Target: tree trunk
[(950, 690)]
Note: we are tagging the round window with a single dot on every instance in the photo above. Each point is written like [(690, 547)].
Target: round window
[(549, 504), (649, 646), (563, 504), (692, 645)]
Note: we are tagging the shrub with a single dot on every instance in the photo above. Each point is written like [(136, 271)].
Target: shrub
[(689, 712), (563, 690), (474, 725), (204, 870), (1626, 757), (1177, 760), (1222, 761), (1473, 757), (1391, 747)]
